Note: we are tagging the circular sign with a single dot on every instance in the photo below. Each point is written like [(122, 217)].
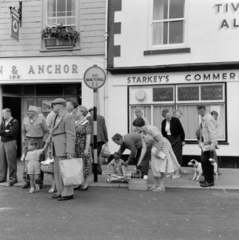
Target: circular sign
[(94, 77), (140, 95), (15, 26)]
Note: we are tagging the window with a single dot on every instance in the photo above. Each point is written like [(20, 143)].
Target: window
[(184, 98), (61, 12), (168, 22)]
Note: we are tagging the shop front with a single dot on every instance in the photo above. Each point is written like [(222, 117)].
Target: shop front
[(153, 92), (38, 81)]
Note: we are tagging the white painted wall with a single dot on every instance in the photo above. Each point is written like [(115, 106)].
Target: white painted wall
[(208, 43)]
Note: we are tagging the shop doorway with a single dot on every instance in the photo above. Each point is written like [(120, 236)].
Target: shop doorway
[(14, 103)]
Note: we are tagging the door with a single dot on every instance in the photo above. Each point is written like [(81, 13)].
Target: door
[(14, 104)]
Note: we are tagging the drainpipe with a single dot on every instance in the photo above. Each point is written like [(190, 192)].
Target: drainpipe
[(105, 64)]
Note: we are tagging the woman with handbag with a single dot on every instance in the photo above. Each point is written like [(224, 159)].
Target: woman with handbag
[(82, 147), (163, 159)]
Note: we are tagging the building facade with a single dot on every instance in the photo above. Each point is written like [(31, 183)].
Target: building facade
[(33, 72), (175, 54)]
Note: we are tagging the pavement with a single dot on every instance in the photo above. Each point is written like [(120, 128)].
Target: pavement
[(228, 180)]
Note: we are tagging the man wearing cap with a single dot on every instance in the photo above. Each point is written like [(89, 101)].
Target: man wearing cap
[(8, 147), (102, 135), (63, 135), (33, 127)]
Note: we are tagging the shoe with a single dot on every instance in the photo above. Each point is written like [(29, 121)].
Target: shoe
[(40, 186), (10, 184), (32, 190), (52, 190), (84, 189), (77, 188), (152, 188), (206, 184), (65, 198), (202, 181), (159, 189), (37, 187), (175, 176), (56, 195), (26, 185)]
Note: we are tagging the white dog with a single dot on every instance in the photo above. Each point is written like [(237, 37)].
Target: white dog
[(198, 168)]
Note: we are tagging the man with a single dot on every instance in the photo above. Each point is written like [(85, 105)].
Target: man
[(133, 142), (33, 127), (102, 135), (8, 147), (63, 136), (208, 143)]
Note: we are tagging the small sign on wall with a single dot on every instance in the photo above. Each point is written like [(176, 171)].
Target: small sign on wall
[(15, 24)]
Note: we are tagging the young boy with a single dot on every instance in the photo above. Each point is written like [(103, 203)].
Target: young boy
[(33, 165), (118, 165)]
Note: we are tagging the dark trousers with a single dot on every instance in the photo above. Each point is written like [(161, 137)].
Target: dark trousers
[(40, 144), (144, 166), (8, 160), (207, 167), (99, 148)]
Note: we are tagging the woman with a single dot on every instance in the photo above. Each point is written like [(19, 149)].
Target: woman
[(172, 130), (82, 150), (160, 167)]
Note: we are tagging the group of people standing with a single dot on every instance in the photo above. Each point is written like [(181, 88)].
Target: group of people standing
[(65, 133), (164, 148)]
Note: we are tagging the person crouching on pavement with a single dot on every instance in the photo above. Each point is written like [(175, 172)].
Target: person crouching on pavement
[(118, 165), (33, 165)]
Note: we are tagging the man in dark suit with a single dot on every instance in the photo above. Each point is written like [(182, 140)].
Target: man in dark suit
[(8, 147), (133, 142), (102, 135)]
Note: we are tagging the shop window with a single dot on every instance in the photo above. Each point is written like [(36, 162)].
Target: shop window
[(70, 89), (11, 89), (212, 92), (188, 93), (168, 22), (61, 12), (49, 89), (163, 94), (29, 90)]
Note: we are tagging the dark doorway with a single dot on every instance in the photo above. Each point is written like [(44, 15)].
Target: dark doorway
[(14, 103)]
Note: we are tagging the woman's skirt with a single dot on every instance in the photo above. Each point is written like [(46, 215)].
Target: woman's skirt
[(168, 165), (177, 147)]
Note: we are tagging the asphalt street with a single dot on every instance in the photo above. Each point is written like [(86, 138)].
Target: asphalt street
[(117, 213)]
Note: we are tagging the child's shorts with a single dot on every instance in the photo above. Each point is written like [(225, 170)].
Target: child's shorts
[(33, 167)]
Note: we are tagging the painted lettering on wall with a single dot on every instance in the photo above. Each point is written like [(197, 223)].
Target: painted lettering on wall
[(224, 9), (212, 76), (15, 74), (57, 69), (148, 79)]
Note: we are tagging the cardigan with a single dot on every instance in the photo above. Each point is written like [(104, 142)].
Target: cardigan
[(176, 129)]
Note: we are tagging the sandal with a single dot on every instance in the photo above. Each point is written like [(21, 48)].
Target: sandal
[(152, 188), (52, 190), (175, 176), (159, 189)]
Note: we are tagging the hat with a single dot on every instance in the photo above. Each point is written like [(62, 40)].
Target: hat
[(32, 109), (59, 101)]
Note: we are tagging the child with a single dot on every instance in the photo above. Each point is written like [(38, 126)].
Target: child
[(33, 164), (118, 165)]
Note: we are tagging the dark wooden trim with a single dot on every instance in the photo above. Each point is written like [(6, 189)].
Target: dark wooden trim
[(117, 28), (175, 68), (117, 51), (167, 51)]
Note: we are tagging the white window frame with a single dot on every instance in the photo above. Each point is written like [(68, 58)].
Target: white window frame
[(167, 46), (46, 18)]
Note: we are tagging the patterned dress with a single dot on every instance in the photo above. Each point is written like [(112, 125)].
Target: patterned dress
[(82, 130), (170, 163)]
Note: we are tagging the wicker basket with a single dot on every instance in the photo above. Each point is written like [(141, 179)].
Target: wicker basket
[(137, 183), (48, 168)]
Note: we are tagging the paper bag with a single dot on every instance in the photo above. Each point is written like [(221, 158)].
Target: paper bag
[(72, 171), (160, 155)]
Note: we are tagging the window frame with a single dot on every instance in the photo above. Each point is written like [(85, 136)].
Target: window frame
[(167, 46), (176, 103)]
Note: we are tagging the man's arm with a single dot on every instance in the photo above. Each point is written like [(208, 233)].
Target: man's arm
[(45, 129), (132, 148), (212, 132), (14, 129), (70, 135), (105, 131)]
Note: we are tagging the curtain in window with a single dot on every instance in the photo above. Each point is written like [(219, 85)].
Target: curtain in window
[(157, 115)]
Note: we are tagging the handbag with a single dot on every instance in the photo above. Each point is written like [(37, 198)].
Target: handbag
[(72, 171), (48, 168), (161, 154), (105, 151)]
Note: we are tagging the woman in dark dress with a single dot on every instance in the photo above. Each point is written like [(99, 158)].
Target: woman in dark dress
[(172, 130), (82, 148)]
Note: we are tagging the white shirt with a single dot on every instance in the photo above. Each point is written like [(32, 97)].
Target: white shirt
[(167, 127)]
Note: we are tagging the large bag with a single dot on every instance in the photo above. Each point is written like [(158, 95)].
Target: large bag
[(105, 152), (161, 154), (136, 182), (72, 171)]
